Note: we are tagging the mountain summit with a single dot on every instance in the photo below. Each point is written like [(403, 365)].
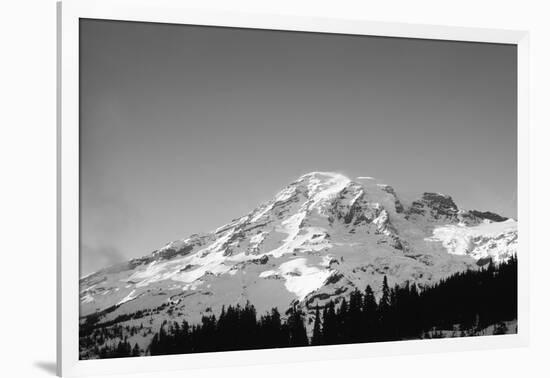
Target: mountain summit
[(318, 239)]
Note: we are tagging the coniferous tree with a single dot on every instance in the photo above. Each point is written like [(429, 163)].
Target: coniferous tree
[(342, 315), (355, 329), (330, 324), (370, 315), (317, 338), (297, 330), (385, 301), (136, 351), (384, 308)]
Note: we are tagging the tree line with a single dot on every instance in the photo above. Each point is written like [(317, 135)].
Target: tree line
[(470, 300)]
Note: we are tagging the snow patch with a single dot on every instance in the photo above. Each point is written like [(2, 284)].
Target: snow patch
[(301, 279), (127, 298), (87, 298), (489, 239), (258, 238), (192, 286), (267, 273)]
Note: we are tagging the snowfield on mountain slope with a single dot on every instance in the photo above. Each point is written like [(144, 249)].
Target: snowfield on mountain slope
[(318, 239), (300, 278), (495, 240)]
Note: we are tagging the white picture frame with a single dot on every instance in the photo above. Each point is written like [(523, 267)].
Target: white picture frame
[(169, 11)]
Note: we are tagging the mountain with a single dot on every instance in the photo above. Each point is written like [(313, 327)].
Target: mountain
[(317, 240)]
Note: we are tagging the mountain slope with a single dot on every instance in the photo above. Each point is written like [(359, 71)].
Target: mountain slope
[(317, 239)]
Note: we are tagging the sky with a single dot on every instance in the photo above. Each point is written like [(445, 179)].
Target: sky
[(184, 128)]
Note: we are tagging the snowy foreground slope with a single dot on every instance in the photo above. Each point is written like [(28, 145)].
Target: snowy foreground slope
[(318, 239)]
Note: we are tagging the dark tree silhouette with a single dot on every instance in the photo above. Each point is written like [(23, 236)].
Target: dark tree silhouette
[(317, 338)]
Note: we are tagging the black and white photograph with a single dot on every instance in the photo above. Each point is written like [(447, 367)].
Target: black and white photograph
[(246, 189)]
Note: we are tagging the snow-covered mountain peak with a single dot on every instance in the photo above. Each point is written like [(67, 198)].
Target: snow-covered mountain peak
[(322, 176), (317, 239), (318, 186), (321, 188)]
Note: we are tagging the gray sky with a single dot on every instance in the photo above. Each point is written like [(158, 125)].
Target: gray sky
[(184, 128)]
